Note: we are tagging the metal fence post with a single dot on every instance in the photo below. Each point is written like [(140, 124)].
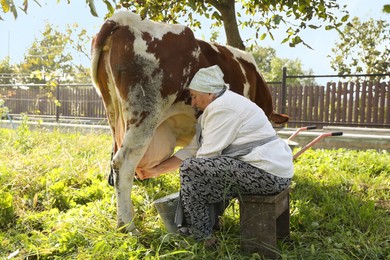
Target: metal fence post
[(284, 90), (57, 106)]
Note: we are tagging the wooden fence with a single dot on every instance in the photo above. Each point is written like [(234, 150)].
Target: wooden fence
[(365, 104), (73, 100)]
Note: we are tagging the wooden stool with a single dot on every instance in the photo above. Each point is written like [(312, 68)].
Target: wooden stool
[(263, 219)]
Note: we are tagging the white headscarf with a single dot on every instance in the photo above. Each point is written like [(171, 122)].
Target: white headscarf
[(208, 80)]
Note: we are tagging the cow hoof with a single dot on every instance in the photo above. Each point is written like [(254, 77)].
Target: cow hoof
[(128, 229)]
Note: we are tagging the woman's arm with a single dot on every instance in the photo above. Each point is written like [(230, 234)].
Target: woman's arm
[(170, 164)]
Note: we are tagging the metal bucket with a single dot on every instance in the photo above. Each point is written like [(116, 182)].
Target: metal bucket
[(166, 208)]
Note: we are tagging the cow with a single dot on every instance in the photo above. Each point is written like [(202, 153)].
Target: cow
[(141, 69)]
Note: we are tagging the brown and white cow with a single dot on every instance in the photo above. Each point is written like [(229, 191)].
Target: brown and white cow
[(142, 69)]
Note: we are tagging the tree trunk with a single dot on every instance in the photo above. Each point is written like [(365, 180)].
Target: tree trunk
[(228, 13)]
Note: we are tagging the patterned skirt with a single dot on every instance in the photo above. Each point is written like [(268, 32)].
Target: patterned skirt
[(206, 181)]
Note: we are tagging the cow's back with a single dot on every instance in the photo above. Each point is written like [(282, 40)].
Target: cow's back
[(242, 74)]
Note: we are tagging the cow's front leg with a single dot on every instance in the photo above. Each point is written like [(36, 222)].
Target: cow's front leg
[(123, 181)]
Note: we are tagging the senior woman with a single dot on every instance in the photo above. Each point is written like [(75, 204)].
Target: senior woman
[(235, 151)]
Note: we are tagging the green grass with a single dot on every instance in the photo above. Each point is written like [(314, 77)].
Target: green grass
[(55, 204)]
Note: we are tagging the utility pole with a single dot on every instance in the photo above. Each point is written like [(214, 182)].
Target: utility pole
[(9, 42)]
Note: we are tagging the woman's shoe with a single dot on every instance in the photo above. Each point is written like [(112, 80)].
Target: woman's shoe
[(184, 231)]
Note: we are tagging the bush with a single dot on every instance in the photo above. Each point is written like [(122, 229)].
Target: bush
[(7, 215)]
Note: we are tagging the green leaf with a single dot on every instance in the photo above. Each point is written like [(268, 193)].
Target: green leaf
[(314, 26), (262, 37), (5, 5), (386, 8), (92, 7), (329, 27), (277, 19), (13, 9), (25, 6), (109, 6), (312, 249), (271, 35), (216, 16), (345, 18), (192, 4), (297, 40), (285, 40)]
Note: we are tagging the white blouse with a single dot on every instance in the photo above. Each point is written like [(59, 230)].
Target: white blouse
[(234, 119)]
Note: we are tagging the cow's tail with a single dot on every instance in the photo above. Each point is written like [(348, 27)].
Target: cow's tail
[(97, 47), (278, 118)]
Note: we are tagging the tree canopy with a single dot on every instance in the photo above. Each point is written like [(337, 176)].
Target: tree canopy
[(271, 66), (49, 59), (263, 16), (363, 48)]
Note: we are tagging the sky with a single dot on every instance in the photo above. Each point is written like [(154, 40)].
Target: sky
[(18, 35)]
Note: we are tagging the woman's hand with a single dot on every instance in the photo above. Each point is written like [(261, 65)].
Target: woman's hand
[(170, 164), (143, 174)]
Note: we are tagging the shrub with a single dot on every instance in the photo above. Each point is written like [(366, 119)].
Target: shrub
[(7, 215)]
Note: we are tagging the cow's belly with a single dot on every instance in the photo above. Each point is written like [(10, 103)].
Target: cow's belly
[(176, 130)]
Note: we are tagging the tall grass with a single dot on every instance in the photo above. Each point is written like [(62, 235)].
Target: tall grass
[(55, 204)]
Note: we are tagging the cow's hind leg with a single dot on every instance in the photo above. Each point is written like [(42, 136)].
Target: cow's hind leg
[(110, 179), (123, 182), (124, 164)]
